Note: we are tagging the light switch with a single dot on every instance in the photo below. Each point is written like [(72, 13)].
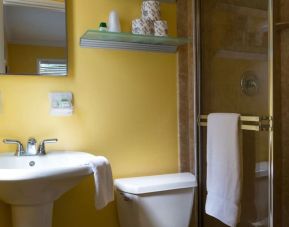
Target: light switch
[(61, 103)]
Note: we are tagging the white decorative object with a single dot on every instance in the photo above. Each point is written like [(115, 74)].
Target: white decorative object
[(161, 28), (113, 22), (61, 103), (151, 10), (142, 27)]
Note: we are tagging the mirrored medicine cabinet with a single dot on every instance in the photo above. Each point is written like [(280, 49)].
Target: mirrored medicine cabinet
[(33, 37)]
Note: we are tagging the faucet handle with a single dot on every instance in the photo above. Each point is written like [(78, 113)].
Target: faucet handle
[(41, 148), (20, 149)]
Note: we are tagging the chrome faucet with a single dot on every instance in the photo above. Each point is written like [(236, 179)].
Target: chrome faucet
[(31, 146)]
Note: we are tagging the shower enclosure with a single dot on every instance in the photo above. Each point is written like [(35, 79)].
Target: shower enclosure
[(235, 40)]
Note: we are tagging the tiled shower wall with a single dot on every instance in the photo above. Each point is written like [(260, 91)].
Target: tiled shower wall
[(186, 77), (186, 82)]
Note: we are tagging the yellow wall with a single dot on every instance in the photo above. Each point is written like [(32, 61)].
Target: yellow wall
[(23, 58), (125, 109)]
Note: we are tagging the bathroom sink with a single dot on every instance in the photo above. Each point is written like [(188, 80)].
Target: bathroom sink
[(32, 183), (39, 179)]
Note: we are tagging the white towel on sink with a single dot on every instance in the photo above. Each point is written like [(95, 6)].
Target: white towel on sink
[(103, 181), (224, 168)]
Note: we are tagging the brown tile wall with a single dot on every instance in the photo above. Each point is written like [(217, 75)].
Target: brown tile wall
[(186, 78), (186, 86)]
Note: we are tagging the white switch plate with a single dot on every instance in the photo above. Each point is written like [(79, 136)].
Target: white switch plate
[(61, 103)]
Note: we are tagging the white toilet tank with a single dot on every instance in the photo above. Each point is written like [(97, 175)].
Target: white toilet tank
[(155, 201)]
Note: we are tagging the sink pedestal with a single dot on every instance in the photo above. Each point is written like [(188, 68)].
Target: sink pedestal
[(39, 215)]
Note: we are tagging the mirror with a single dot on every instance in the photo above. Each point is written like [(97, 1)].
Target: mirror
[(33, 37)]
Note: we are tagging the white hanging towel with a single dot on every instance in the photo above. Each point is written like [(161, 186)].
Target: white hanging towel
[(224, 168), (103, 181)]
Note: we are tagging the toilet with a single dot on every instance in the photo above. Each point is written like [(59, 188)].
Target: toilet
[(155, 201)]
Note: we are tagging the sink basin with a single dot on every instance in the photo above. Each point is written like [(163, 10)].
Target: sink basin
[(32, 183)]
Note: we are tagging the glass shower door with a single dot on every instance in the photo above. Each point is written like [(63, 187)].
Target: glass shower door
[(234, 79)]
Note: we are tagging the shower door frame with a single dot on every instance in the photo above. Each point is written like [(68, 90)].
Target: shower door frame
[(197, 86)]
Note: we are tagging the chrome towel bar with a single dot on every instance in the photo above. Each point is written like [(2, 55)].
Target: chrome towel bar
[(251, 123)]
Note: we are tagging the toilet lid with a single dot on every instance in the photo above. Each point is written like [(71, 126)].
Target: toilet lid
[(148, 184)]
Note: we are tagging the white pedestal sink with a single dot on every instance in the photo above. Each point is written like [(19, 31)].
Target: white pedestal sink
[(32, 183)]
